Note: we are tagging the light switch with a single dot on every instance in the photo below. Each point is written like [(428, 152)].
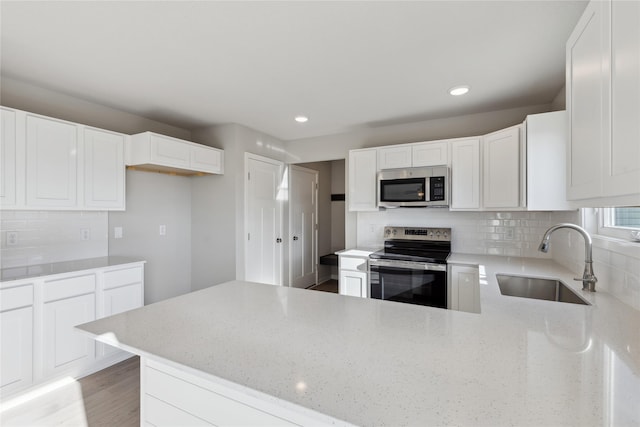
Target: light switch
[(117, 232), (163, 230)]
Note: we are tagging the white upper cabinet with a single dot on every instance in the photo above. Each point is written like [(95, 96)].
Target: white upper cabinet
[(433, 153), (154, 152), (396, 156), (622, 160), (206, 159), (501, 169), (53, 164), (430, 153), (104, 173), (8, 158), (603, 101), (587, 77), (52, 150), (465, 174), (363, 180), (546, 147)]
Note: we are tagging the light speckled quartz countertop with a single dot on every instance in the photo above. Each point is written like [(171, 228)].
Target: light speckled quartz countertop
[(372, 362), (32, 271)]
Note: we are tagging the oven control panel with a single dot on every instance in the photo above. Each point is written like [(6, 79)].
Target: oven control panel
[(418, 233)]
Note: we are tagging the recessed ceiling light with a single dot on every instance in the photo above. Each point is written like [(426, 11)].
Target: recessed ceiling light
[(302, 119), (459, 90)]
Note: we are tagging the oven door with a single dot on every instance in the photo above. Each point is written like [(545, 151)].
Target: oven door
[(410, 282)]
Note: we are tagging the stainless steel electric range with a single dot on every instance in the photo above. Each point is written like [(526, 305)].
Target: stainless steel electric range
[(412, 267)]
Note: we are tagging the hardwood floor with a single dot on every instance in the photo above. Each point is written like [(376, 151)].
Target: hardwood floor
[(328, 286), (110, 397)]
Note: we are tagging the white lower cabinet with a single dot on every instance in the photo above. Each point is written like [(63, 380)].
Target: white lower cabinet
[(64, 348), (119, 300), (353, 280), (16, 338), (464, 288), (353, 283), (38, 339)]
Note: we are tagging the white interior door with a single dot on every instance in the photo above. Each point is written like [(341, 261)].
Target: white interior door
[(303, 225), (263, 220)]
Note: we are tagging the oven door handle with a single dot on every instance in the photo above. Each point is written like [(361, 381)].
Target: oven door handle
[(407, 264)]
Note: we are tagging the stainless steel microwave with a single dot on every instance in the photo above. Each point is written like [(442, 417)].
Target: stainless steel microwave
[(414, 187)]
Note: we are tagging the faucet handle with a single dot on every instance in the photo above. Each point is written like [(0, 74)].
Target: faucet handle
[(588, 282)]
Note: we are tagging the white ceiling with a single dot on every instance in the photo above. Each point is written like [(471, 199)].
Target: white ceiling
[(344, 64)]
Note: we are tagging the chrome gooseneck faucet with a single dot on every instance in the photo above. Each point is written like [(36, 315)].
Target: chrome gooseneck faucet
[(588, 278)]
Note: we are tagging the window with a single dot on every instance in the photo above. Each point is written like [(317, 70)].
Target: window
[(619, 222)]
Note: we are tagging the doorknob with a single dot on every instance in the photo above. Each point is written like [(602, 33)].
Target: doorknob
[(278, 240), (295, 237)]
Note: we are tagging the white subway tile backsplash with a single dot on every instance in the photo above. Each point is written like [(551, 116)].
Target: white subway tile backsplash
[(52, 236), (517, 234)]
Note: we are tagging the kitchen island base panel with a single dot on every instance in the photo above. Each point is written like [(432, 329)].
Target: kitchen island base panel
[(171, 395)]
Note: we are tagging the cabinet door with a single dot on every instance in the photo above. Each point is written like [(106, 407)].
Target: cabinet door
[(464, 288), (16, 339), (65, 348), (52, 162), (622, 160), (501, 171), (587, 101), (206, 159), (8, 158), (104, 169), (353, 283), (394, 157), (546, 144), (363, 180), (465, 174), (119, 300), (430, 154), (170, 151)]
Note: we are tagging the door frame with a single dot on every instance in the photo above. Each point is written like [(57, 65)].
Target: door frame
[(248, 157), (315, 228)]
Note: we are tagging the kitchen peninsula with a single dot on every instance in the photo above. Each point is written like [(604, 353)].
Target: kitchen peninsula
[(282, 355)]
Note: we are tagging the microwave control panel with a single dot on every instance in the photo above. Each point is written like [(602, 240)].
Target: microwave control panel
[(436, 188)]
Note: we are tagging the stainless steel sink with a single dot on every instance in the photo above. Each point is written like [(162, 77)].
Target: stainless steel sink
[(537, 288)]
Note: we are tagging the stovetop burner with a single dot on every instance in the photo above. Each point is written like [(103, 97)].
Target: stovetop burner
[(417, 244)]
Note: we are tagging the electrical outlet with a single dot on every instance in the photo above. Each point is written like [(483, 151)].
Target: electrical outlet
[(163, 230), (12, 238), (85, 234), (117, 232)]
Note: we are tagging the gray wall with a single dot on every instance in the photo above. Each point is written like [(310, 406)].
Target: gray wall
[(155, 199), (152, 199), (331, 147), (218, 205)]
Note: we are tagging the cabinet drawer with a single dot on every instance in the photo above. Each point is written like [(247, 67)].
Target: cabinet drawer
[(20, 296), (359, 264), (203, 403), (64, 288), (126, 276)]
